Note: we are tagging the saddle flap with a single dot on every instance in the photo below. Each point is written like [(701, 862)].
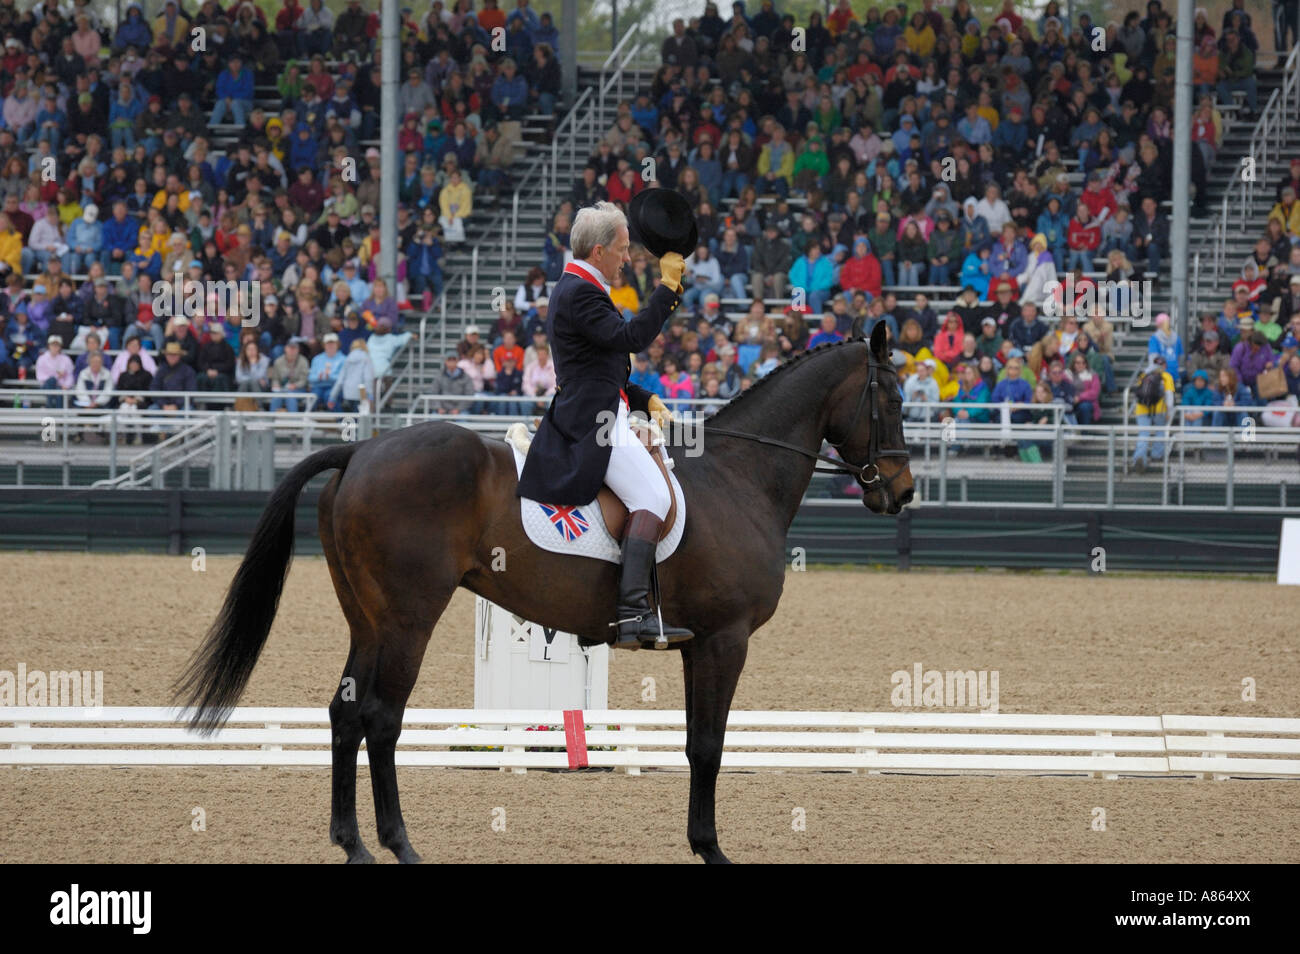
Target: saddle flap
[(615, 511)]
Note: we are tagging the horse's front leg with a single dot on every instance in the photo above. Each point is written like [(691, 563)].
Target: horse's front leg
[(712, 671)]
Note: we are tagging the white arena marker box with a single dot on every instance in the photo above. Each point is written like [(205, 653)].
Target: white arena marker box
[(1288, 552), (522, 665)]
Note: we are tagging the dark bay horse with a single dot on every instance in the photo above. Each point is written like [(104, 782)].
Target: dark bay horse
[(415, 513)]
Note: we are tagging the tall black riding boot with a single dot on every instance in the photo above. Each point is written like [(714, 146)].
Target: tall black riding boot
[(636, 623)]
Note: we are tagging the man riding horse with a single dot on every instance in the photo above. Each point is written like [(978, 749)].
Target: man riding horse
[(584, 439)]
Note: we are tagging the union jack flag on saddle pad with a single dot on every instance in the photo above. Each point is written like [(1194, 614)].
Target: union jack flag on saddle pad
[(568, 521)]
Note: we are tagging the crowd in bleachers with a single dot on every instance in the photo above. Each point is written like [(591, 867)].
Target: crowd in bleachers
[(226, 145), (1248, 353), (924, 168)]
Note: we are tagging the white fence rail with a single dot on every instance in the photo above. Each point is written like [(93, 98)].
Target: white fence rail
[(632, 740)]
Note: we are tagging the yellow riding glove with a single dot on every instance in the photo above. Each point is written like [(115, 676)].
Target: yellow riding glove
[(671, 267), (659, 410)]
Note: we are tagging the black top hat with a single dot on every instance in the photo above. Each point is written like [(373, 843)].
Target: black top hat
[(663, 221)]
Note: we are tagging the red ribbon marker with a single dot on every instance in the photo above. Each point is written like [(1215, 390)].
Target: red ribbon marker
[(575, 738)]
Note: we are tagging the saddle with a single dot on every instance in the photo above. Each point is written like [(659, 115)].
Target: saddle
[(613, 510)]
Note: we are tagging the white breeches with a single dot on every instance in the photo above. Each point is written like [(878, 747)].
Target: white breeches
[(632, 475)]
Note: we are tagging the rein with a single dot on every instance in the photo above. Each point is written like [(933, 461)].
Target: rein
[(838, 465)]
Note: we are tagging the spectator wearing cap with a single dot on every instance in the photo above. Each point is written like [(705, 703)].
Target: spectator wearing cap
[(1013, 388), (85, 241), (173, 375), (215, 361), (509, 381), (50, 122), (54, 370), (453, 381), (643, 374), (179, 331), (326, 368)]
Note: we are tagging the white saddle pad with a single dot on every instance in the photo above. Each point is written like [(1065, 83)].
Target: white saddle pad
[(581, 531)]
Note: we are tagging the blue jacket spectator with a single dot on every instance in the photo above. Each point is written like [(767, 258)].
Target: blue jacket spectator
[(133, 31)]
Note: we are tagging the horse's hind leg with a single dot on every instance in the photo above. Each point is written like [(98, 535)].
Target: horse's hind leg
[(346, 730), (713, 668), (345, 738), (397, 667)]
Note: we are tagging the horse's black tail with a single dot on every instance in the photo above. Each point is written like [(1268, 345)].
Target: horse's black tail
[(219, 671)]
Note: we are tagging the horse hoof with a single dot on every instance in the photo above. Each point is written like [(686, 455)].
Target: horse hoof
[(360, 856), (407, 855), (712, 855)]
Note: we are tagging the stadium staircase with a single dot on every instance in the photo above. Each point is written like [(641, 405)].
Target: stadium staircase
[(1221, 244), (506, 240)]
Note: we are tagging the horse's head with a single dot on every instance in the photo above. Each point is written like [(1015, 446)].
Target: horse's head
[(866, 426)]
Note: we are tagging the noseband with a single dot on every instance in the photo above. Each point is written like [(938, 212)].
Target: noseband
[(874, 450), (867, 473)]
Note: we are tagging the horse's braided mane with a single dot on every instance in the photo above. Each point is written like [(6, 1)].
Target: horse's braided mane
[(800, 358)]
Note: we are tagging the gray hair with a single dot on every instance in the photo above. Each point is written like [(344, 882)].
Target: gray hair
[(595, 225)]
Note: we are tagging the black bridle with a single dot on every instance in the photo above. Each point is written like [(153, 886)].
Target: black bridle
[(867, 473)]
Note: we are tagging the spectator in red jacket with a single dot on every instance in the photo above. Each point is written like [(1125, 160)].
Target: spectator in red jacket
[(862, 271), (1084, 238), (1099, 198), (507, 348), (948, 342)]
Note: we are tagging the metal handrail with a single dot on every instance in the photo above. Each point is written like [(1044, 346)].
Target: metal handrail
[(187, 398), (1265, 145), (402, 351), (569, 120)]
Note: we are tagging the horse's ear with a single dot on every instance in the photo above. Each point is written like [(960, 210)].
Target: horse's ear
[(879, 344), (855, 331)]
